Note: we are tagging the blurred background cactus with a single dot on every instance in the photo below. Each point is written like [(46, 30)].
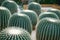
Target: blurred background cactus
[(14, 33), (4, 17), (56, 11), (32, 15), (21, 20), (48, 29), (11, 5), (35, 7), (48, 14)]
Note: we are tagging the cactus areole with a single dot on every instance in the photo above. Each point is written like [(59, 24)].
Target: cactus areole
[(48, 29), (14, 33)]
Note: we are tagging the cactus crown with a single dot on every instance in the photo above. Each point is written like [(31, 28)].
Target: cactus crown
[(48, 29), (14, 33), (48, 14), (11, 5), (20, 20), (35, 7), (55, 11), (32, 15)]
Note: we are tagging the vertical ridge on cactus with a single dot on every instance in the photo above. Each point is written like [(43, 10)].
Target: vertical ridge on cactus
[(4, 17), (20, 20), (11, 5), (48, 14), (32, 15), (14, 33), (48, 29), (35, 7)]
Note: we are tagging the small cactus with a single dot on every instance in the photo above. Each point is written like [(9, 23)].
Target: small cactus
[(32, 15), (22, 21), (56, 11), (35, 7), (48, 29), (4, 17), (14, 33), (48, 14), (11, 5)]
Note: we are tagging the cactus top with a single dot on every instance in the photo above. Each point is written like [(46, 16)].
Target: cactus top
[(11, 5), (48, 14), (34, 6), (14, 33), (32, 15), (55, 11)]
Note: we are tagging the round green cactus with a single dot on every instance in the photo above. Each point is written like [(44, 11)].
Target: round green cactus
[(48, 29), (55, 11), (11, 5), (4, 17), (22, 21), (35, 7), (32, 15), (12, 33), (48, 14)]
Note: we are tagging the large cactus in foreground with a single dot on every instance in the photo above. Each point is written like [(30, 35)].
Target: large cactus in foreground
[(48, 14), (11, 5), (35, 7), (56, 11), (22, 21), (32, 15), (12, 33), (48, 29), (4, 17)]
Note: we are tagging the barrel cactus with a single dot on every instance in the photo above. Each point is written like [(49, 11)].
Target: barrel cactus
[(32, 15), (48, 14), (55, 11), (4, 17), (11, 5), (35, 7), (48, 29), (20, 20), (12, 33)]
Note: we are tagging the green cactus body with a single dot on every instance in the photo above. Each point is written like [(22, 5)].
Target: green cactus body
[(35, 7), (4, 17), (48, 29), (1, 2), (12, 33), (22, 21), (32, 15), (48, 14), (55, 11), (11, 5)]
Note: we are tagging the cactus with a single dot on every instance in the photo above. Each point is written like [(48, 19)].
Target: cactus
[(11, 5), (1, 2), (48, 29), (4, 17), (35, 7), (48, 14), (22, 21), (14, 34), (32, 15), (55, 11)]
